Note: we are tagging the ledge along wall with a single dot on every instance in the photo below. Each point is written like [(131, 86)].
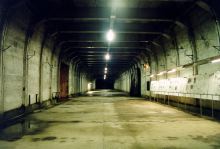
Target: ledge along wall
[(183, 72)]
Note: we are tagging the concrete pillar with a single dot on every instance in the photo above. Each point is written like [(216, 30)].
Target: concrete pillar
[(25, 68), (2, 20), (175, 42), (193, 45), (52, 67), (70, 78), (41, 69)]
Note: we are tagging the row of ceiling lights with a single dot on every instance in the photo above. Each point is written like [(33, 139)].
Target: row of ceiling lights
[(110, 37), (181, 67), (164, 72)]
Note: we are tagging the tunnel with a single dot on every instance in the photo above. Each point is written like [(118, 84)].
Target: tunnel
[(109, 74)]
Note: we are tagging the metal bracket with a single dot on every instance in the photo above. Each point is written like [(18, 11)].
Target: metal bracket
[(51, 66), (30, 56), (189, 55), (6, 48), (217, 48)]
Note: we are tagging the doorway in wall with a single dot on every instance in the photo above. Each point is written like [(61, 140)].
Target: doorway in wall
[(135, 89), (64, 77)]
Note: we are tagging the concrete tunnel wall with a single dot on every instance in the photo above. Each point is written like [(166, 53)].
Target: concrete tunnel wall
[(29, 64), (190, 50)]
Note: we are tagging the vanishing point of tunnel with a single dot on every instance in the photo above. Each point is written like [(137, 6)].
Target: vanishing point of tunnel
[(110, 74)]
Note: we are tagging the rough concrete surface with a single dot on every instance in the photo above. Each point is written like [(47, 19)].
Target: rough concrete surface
[(111, 122)]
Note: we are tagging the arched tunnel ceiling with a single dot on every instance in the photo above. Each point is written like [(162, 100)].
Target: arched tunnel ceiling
[(79, 28)]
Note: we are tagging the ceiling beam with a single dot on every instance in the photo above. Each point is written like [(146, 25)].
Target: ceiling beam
[(103, 32), (102, 55), (105, 47), (100, 41), (117, 20), (104, 52)]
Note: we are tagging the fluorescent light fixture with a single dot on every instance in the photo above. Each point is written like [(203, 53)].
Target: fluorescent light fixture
[(110, 35), (152, 76), (171, 71), (106, 69), (161, 73), (216, 61), (107, 56)]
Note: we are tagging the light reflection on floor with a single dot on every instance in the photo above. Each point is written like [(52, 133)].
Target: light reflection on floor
[(106, 92)]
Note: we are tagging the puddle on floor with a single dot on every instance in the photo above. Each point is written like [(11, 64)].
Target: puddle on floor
[(17, 130)]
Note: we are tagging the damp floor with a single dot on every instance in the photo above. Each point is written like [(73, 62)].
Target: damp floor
[(113, 121)]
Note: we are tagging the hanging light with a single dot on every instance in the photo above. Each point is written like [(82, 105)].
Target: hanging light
[(107, 56), (110, 35)]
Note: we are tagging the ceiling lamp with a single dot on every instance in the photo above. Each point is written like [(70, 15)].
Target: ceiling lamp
[(110, 35), (107, 56)]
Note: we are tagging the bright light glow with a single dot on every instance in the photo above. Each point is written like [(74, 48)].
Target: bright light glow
[(106, 69), (104, 77), (90, 92), (110, 35), (171, 71), (107, 56), (146, 66), (89, 86), (161, 73), (216, 61), (151, 76)]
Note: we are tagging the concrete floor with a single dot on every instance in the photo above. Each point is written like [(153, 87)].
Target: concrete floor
[(111, 122)]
